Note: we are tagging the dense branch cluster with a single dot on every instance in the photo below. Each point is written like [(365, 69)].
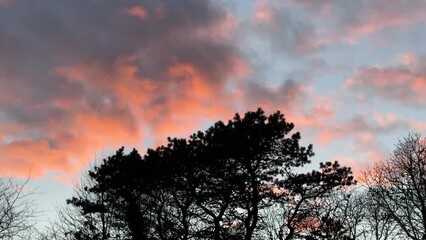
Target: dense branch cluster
[(398, 186), (218, 184), (17, 210), (239, 180)]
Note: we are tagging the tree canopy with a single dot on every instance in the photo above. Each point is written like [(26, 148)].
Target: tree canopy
[(217, 184), (240, 180)]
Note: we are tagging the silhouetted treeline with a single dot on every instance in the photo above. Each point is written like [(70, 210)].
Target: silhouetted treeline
[(218, 184), (245, 179)]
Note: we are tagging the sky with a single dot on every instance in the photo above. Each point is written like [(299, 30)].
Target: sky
[(81, 78)]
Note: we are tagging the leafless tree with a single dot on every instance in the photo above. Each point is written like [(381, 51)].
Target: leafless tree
[(348, 206), (378, 222), (362, 215), (398, 185), (17, 208)]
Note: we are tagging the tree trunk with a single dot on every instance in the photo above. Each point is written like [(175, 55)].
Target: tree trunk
[(216, 229), (252, 224), (290, 234)]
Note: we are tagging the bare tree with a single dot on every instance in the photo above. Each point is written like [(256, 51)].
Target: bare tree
[(398, 185), (348, 207), (378, 222), (362, 215), (17, 209)]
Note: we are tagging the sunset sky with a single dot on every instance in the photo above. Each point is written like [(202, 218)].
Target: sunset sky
[(80, 78)]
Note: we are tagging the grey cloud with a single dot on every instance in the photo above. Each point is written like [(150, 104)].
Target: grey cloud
[(288, 33), (395, 84), (285, 94), (75, 117), (344, 17), (37, 36)]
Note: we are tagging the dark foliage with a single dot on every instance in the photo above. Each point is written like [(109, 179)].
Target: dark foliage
[(217, 184)]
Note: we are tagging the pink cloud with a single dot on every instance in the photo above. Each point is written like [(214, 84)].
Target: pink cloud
[(327, 135), (403, 84), (24, 157), (412, 61), (191, 97), (263, 12), (149, 75), (90, 133), (106, 129), (351, 21), (137, 11), (175, 106), (389, 14), (369, 151), (357, 166), (124, 75), (418, 126), (70, 139), (360, 128), (308, 110), (385, 120), (314, 113)]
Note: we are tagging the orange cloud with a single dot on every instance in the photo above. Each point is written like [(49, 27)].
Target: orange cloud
[(137, 11), (87, 133), (108, 129), (25, 157), (130, 107), (166, 108), (190, 96), (115, 85), (88, 126)]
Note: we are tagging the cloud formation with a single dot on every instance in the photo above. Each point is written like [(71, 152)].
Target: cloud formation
[(351, 20), (78, 77), (283, 30), (403, 84)]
